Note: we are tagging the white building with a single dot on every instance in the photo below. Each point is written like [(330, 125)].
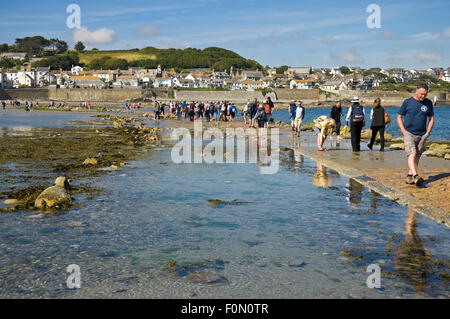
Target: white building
[(446, 76), (162, 82), (127, 81), (76, 70), (302, 84), (107, 76), (13, 56)]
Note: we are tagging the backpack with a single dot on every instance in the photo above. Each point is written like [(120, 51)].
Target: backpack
[(267, 107), (358, 114), (387, 118), (291, 108)]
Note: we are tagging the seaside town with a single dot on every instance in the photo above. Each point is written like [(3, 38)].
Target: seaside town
[(328, 79)]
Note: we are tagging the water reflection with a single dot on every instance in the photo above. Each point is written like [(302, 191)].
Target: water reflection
[(321, 177), (355, 193), (413, 259)]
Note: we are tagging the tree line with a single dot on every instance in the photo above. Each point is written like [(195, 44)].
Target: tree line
[(180, 59)]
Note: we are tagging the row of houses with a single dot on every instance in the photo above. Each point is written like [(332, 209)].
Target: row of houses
[(26, 78), (294, 78)]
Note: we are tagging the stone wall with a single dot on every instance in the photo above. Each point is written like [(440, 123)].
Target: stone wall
[(387, 97), (233, 96), (287, 95), (94, 95), (24, 94)]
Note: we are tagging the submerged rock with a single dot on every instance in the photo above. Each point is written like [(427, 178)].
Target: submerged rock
[(296, 263), (208, 277)]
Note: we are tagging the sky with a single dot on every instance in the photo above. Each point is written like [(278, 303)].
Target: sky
[(410, 33)]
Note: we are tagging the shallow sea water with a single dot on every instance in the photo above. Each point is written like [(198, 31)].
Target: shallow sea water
[(154, 234)]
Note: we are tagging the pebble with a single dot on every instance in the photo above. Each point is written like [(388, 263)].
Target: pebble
[(11, 202)]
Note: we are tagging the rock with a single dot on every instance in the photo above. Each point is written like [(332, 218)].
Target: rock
[(397, 146), (11, 202), (76, 224), (53, 197), (397, 140), (207, 277), (437, 152), (296, 263), (436, 146), (90, 161), (447, 156), (114, 167), (62, 181), (117, 124)]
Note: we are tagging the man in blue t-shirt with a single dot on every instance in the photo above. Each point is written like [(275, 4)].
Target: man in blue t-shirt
[(412, 120)]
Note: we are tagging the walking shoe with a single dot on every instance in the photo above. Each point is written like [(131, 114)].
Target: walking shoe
[(410, 180), (418, 180), (369, 146)]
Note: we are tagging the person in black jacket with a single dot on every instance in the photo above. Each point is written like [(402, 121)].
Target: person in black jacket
[(378, 124), (356, 120), (336, 114)]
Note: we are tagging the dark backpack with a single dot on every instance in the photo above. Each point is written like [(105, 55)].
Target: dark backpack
[(358, 113)]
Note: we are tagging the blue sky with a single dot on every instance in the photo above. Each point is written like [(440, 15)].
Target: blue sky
[(413, 34)]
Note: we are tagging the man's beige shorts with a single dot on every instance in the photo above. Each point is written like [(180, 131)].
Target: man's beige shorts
[(414, 144)]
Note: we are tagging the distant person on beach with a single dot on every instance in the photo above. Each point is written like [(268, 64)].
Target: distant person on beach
[(412, 120), (260, 116), (299, 116), (291, 109), (253, 108), (233, 111), (336, 114), (323, 127), (378, 124), (157, 110), (356, 120), (268, 110), (245, 111), (3, 104)]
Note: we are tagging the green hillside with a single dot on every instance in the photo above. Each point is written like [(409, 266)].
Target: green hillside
[(216, 58)]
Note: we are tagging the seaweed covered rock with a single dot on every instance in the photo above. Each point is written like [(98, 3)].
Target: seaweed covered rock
[(55, 197)]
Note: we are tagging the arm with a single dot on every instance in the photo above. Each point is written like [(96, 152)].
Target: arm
[(349, 114), (430, 125), (400, 124)]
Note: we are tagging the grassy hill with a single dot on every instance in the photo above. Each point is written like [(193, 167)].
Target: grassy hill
[(212, 57), (130, 55)]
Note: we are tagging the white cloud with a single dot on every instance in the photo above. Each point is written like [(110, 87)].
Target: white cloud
[(102, 35), (386, 33), (431, 35), (148, 30), (350, 57), (429, 57)]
